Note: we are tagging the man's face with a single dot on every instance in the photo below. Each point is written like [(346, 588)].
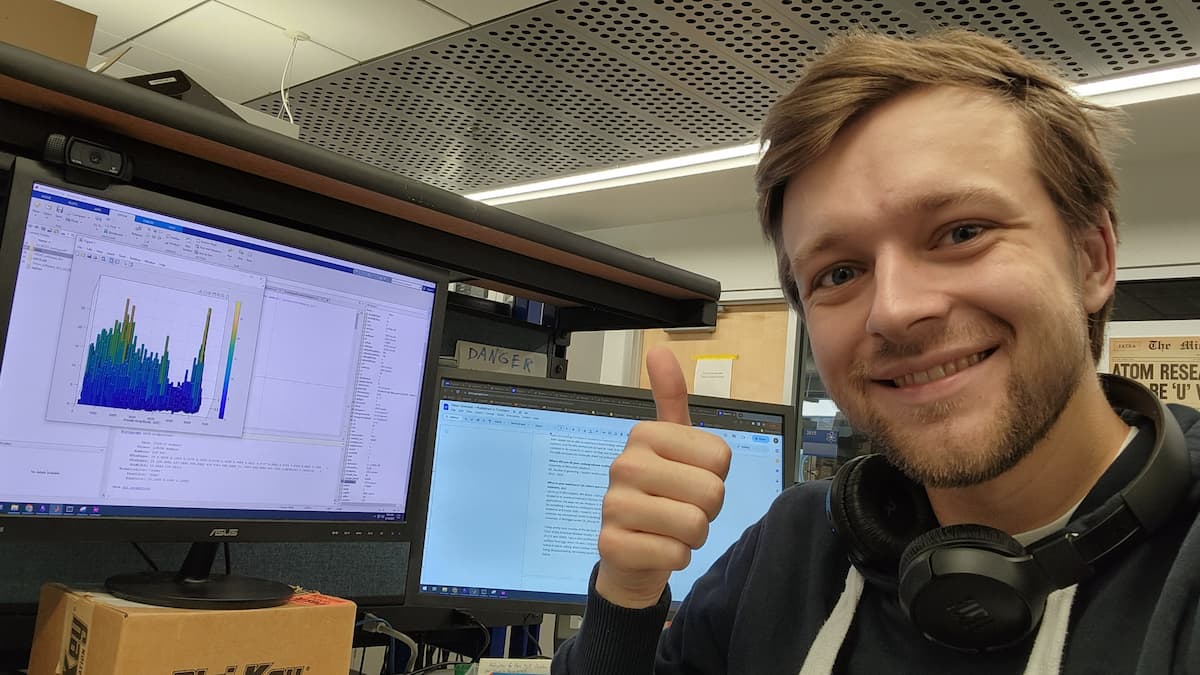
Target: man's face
[(944, 298)]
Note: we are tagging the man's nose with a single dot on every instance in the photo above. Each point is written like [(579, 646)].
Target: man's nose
[(908, 291)]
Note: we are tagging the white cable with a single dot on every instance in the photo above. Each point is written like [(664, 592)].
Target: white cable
[(375, 624), (283, 93)]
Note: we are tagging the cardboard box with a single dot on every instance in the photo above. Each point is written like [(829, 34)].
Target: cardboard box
[(48, 27), (92, 633)]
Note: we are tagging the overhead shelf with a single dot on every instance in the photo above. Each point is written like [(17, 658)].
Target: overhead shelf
[(206, 156)]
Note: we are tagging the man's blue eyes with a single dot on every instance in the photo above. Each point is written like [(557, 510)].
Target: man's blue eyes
[(840, 275), (843, 274), (964, 233)]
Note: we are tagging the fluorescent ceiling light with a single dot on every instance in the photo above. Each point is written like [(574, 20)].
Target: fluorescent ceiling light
[(1115, 91), (1138, 81), (703, 162)]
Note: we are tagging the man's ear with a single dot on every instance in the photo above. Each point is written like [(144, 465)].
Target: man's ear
[(1097, 251)]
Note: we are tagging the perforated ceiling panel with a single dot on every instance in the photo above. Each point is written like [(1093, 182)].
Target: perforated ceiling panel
[(575, 85)]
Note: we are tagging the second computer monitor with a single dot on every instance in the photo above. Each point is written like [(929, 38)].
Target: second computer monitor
[(518, 475)]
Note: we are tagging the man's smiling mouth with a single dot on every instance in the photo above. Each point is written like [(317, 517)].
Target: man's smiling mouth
[(939, 371)]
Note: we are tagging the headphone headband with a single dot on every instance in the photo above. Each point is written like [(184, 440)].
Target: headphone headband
[(1163, 481), (1070, 555)]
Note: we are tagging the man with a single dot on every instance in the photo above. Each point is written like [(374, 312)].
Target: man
[(943, 213)]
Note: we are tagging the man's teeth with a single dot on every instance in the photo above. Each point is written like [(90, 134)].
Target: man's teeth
[(938, 372)]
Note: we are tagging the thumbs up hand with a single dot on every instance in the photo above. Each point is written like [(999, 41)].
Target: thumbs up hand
[(664, 489)]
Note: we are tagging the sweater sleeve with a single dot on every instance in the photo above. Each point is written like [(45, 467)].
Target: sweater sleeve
[(1172, 643), (613, 639), (697, 643)]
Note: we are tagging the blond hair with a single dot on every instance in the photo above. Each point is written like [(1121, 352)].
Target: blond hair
[(1069, 137)]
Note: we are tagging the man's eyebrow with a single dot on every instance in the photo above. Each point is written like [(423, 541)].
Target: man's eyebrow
[(941, 199), (823, 243), (928, 202)]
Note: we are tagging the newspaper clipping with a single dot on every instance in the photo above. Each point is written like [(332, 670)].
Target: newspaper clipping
[(1169, 366)]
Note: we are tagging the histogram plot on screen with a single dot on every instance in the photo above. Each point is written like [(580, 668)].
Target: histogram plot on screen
[(152, 348), (122, 303), (122, 372)]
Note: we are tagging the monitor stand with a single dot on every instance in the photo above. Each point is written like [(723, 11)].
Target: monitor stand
[(195, 587)]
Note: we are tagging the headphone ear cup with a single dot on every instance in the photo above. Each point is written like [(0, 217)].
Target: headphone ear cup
[(982, 592), (974, 536), (877, 511)]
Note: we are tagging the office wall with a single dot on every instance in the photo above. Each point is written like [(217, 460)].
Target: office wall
[(1159, 213), (585, 355), (604, 357), (727, 247), (758, 335)]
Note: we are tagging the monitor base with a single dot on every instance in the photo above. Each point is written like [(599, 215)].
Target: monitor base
[(195, 587), (167, 589)]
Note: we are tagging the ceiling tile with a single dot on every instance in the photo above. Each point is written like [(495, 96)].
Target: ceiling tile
[(118, 70), (102, 41), (242, 57), (122, 19), (477, 12), (373, 28), (122, 70)]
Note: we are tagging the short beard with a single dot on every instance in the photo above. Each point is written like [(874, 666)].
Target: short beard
[(1026, 420), (1038, 393)]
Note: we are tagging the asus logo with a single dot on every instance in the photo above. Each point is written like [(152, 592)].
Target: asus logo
[(224, 532)]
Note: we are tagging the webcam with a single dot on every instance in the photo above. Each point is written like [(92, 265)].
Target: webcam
[(87, 162), (94, 157)]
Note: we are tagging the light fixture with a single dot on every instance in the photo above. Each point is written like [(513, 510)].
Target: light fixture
[(644, 172), (1114, 91), (1147, 86)]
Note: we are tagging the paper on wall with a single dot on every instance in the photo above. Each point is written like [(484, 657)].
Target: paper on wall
[(1169, 366), (714, 375)]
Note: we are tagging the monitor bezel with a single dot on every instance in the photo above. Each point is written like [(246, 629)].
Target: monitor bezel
[(414, 596), (149, 529)]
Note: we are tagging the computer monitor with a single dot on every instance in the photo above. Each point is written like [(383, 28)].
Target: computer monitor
[(177, 372), (518, 473)]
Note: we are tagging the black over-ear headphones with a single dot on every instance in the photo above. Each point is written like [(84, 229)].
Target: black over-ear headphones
[(973, 587)]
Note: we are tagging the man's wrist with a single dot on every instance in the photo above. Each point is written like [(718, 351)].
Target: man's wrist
[(623, 597)]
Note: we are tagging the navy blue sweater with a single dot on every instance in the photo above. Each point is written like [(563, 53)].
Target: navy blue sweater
[(760, 606)]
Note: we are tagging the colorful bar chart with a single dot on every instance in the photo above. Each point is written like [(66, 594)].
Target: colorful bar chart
[(237, 313), (122, 373)]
